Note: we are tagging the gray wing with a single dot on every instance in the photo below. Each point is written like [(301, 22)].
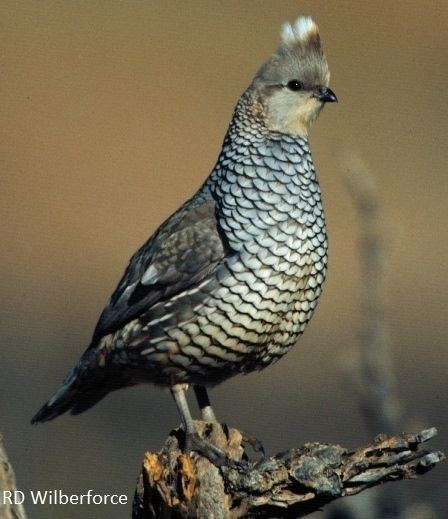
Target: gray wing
[(183, 251)]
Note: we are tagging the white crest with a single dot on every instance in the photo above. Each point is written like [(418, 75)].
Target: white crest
[(299, 31)]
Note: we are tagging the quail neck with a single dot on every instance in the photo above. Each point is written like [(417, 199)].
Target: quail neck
[(265, 180)]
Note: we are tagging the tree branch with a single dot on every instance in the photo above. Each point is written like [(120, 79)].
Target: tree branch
[(294, 483)]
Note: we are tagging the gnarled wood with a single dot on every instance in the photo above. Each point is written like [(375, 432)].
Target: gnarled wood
[(293, 483), (8, 484)]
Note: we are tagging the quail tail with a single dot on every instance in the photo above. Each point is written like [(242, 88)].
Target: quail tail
[(61, 401), (83, 387)]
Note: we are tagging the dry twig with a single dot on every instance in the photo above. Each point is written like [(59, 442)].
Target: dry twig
[(377, 388)]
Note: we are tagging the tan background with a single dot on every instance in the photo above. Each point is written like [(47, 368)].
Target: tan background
[(112, 114)]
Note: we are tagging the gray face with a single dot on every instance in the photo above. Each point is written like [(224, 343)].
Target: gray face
[(292, 83)]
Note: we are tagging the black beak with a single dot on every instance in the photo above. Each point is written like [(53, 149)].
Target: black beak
[(325, 94)]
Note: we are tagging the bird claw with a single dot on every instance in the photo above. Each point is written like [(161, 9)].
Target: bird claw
[(214, 454), (255, 443)]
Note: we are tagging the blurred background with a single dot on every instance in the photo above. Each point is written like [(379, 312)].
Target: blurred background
[(113, 113)]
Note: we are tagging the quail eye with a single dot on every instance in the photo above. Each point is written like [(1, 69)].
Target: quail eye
[(295, 85)]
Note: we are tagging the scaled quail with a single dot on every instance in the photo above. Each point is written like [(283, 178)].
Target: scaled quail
[(228, 283)]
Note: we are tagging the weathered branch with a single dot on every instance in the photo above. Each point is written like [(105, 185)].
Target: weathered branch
[(294, 483), (8, 484)]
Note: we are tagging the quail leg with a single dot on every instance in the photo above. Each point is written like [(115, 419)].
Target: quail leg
[(193, 441), (208, 415), (204, 404)]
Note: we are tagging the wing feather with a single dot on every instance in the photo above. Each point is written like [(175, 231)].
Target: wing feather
[(183, 251)]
